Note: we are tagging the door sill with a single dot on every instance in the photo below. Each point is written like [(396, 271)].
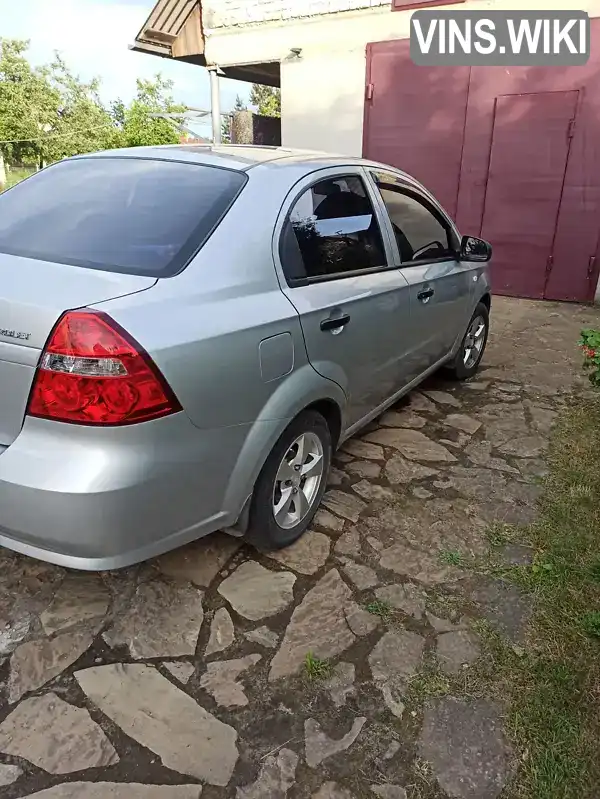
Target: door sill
[(391, 400)]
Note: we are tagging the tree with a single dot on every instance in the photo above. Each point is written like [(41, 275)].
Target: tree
[(226, 129), (47, 113), (82, 124), (267, 100), (117, 112), (239, 105), (139, 126), (28, 102)]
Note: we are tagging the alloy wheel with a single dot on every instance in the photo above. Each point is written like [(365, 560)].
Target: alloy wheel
[(298, 480), (474, 342)]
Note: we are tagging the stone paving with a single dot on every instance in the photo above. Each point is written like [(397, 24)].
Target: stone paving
[(186, 676)]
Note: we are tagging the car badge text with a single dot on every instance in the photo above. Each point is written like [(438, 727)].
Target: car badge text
[(16, 334)]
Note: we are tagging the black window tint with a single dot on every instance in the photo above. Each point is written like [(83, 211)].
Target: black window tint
[(332, 229), (132, 215), (419, 234)]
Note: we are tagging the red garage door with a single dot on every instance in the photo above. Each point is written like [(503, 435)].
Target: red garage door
[(524, 187), (416, 117), (512, 154)]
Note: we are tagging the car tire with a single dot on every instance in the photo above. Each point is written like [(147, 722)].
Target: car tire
[(282, 485), (467, 360)]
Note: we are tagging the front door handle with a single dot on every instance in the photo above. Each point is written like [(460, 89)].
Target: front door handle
[(425, 295), (335, 323)]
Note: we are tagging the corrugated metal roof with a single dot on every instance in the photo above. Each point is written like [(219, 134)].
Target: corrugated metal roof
[(165, 22)]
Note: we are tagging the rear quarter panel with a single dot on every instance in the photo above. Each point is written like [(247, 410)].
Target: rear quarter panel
[(204, 327)]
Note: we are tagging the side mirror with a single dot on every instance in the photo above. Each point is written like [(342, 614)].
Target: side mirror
[(474, 249)]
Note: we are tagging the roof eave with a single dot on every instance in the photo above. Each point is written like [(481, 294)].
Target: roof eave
[(173, 29), (150, 49)]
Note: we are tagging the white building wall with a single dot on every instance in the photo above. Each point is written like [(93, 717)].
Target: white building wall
[(329, 120), (322, 90), (218, 14)]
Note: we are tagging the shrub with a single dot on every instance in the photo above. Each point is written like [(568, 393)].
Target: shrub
[(590, 346)]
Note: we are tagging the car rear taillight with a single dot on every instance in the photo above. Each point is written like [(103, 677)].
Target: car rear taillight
[(93, 372)]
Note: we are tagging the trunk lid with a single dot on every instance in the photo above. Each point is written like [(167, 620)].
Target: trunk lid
[(33, 295)]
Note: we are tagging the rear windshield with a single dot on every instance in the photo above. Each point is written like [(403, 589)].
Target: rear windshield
[(132, 215)]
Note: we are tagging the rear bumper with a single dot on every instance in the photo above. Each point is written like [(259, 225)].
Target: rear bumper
[(98, 499)]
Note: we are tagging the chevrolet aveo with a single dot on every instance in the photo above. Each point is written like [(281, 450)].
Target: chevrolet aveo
[(188, 333)]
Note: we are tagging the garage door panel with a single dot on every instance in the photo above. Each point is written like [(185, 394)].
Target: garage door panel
[(528, 160), (573, 276), (442, 124), (415, 118)]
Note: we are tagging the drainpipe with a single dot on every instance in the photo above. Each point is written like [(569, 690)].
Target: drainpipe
[(215, 104)]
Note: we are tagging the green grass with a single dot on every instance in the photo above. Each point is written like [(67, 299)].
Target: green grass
[(379, 608), (552, 686), (594, 570), (16, 175), (450, 557), (427, 684), (315, 668), (590, 623), (498, 535)]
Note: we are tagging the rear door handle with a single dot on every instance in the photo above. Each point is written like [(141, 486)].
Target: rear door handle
[(335, 323), (425, 295)]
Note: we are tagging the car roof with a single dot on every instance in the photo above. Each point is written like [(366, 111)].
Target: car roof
[(246, 157), (241, 157)]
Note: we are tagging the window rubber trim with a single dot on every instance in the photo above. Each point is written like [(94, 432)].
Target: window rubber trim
[(415, 194), (295, 282)]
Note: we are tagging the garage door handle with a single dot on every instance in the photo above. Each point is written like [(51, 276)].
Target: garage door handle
[(425, 295), (335, 323)]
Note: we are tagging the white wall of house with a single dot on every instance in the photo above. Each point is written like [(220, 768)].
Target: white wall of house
[(322, 90), (329, 116), (219, 14)]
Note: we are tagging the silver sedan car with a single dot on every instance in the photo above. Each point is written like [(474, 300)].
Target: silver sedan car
[(188, 333)]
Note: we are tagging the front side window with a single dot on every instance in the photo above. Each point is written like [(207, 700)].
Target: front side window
[(420, 234), (332, 230)]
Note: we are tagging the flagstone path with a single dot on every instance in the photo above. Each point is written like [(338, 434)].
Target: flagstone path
[(186, 676)]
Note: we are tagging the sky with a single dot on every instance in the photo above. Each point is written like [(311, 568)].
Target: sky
[(93, 37)]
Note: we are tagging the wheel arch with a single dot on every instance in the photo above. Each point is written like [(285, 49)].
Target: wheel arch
[(486, 299), (305, 390), (332, 413)]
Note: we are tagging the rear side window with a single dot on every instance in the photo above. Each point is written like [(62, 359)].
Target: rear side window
[(331, 230), (131, 215)]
